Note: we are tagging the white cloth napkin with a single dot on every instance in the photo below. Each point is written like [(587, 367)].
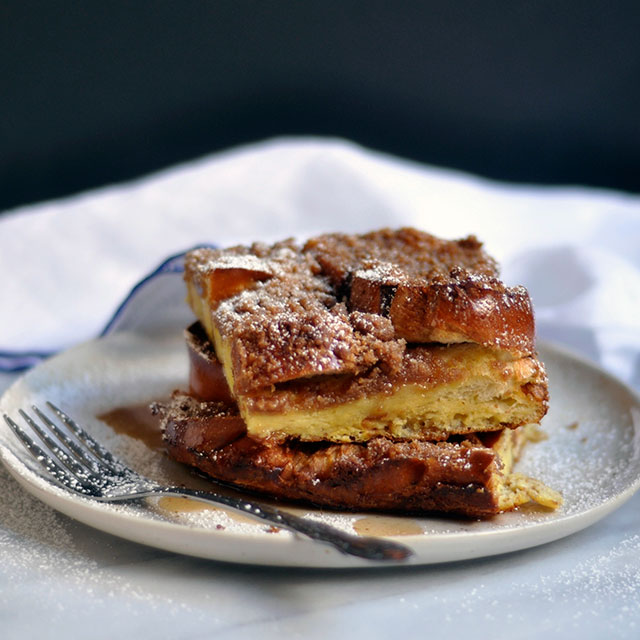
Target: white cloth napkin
[(67, 266)]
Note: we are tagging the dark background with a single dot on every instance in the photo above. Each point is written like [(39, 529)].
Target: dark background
[(97, 92)]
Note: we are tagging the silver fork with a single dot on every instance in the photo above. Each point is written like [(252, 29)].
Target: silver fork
[(80, 464)]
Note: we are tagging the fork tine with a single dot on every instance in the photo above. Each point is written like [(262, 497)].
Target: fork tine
[(80, 471), (59, 472), (101, 454), (82, 454)]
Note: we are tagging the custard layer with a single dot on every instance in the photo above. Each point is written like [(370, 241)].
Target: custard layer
[(467, 388)]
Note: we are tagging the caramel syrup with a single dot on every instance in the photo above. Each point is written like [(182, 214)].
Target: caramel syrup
[(382, 526), (138, 422), (176, 504)]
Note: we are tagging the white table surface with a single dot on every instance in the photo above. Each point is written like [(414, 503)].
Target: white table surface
[(62, 579)]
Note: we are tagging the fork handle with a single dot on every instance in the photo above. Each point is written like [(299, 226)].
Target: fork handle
[(363, 547)]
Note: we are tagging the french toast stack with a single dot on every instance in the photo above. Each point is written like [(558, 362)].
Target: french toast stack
[(388, 371)]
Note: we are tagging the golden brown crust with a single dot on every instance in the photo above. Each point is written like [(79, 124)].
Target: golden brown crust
[(433, 290), (286, 327), (203, 425), (459, 307)]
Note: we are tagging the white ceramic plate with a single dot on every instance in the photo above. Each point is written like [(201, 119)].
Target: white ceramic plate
[(592, 456)]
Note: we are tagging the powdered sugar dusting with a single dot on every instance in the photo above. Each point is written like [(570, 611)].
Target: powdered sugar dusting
[(246, 262), (591, 454)]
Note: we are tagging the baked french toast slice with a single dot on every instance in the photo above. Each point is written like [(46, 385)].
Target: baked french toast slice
[(468, 476), (389, 371), (437, 390)]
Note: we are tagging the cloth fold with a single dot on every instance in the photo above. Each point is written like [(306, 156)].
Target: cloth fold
[(73, 269)]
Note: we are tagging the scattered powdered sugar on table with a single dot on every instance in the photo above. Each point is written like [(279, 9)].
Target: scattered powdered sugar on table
[(606, 587), (597, 596), (39, 553), (32, 535)]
